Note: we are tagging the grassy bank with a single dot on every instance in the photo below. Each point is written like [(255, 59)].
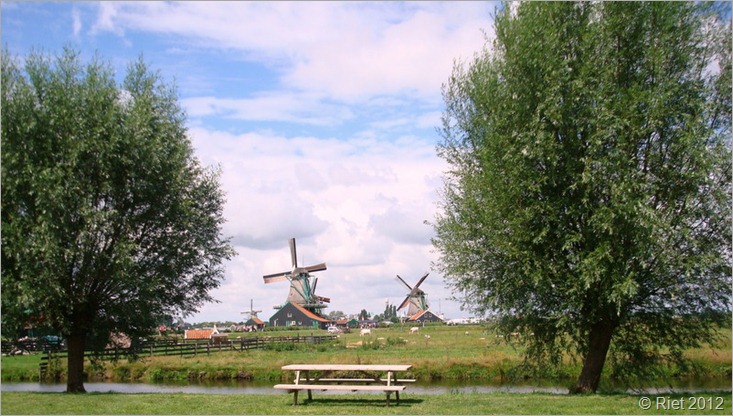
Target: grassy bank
[(464, 353), (110, 403)]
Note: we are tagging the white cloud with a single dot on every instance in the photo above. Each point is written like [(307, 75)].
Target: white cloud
[(106, 19), (346, 50), (403, 223), (430, 119), (75, 21), (413, 55), (302, 108)]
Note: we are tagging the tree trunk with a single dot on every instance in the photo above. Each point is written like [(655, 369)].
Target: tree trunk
[(75, 363), (598, 344)]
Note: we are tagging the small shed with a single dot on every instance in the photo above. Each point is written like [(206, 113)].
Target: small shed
[(256, 323), (202, 333), (346, 323), (198, 334), (367, 323)]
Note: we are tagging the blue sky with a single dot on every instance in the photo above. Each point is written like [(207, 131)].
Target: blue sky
[(321, 115)]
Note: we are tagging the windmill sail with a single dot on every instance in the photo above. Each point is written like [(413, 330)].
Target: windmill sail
[(293, 254), (272, 278), (252, 312), (415, 301)]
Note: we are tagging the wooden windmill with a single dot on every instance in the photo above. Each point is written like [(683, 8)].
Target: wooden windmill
[(416, 299), (253, 323), (302, 289), (251, 312)]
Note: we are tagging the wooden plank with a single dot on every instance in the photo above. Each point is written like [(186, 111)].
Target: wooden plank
[(364, 380), (349, 380), (294, 387), (347, 367)]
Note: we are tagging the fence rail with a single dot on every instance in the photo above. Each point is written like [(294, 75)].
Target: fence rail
[(190, 348)]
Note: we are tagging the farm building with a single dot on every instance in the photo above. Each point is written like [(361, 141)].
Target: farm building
[(256, 323), (424, 316), (346, 323), (292, 314), (368, 323)]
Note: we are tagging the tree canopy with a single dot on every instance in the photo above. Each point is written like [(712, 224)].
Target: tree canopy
[(109, 222), (587, 202)]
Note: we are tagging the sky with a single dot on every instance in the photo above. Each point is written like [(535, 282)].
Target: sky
[(322, 116)]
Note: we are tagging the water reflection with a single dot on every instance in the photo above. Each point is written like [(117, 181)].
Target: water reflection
[(417, 388), (142, 388)]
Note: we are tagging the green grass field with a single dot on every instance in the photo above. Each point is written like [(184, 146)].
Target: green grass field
[(463, 354), (460, 353), (497, 403)]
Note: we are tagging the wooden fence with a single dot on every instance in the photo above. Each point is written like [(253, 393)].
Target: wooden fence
[(185, 349)]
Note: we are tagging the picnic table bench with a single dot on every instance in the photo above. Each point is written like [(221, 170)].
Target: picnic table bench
[(376, 377)]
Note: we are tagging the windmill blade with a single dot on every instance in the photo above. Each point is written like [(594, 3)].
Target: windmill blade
[(276, 277), (316, 267), (315, 283), (326, 300), (404, 302), (403, 282), (293, 254), (422, 279)]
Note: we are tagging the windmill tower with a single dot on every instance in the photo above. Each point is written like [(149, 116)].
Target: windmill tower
[(302, 289), (416, 299)]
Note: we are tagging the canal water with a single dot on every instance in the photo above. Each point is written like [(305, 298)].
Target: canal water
[(417, 388)]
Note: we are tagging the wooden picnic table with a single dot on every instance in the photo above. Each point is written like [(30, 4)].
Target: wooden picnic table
[(374, 377)]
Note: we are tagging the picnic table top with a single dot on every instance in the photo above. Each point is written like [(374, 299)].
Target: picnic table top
[(337, 387), (347, 367)]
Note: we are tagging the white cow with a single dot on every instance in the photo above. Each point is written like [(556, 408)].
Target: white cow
[(414, 329), (365, 331)]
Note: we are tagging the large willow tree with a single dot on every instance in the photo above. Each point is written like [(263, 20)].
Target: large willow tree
[(587, 201), (109, 223)]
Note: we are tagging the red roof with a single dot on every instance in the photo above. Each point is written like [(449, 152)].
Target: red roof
[(256, 320), (198, 334), (310, 314), (417, 315)]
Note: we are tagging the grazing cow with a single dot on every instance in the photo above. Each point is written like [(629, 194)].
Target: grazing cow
[(365, 331), (414, 329)]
